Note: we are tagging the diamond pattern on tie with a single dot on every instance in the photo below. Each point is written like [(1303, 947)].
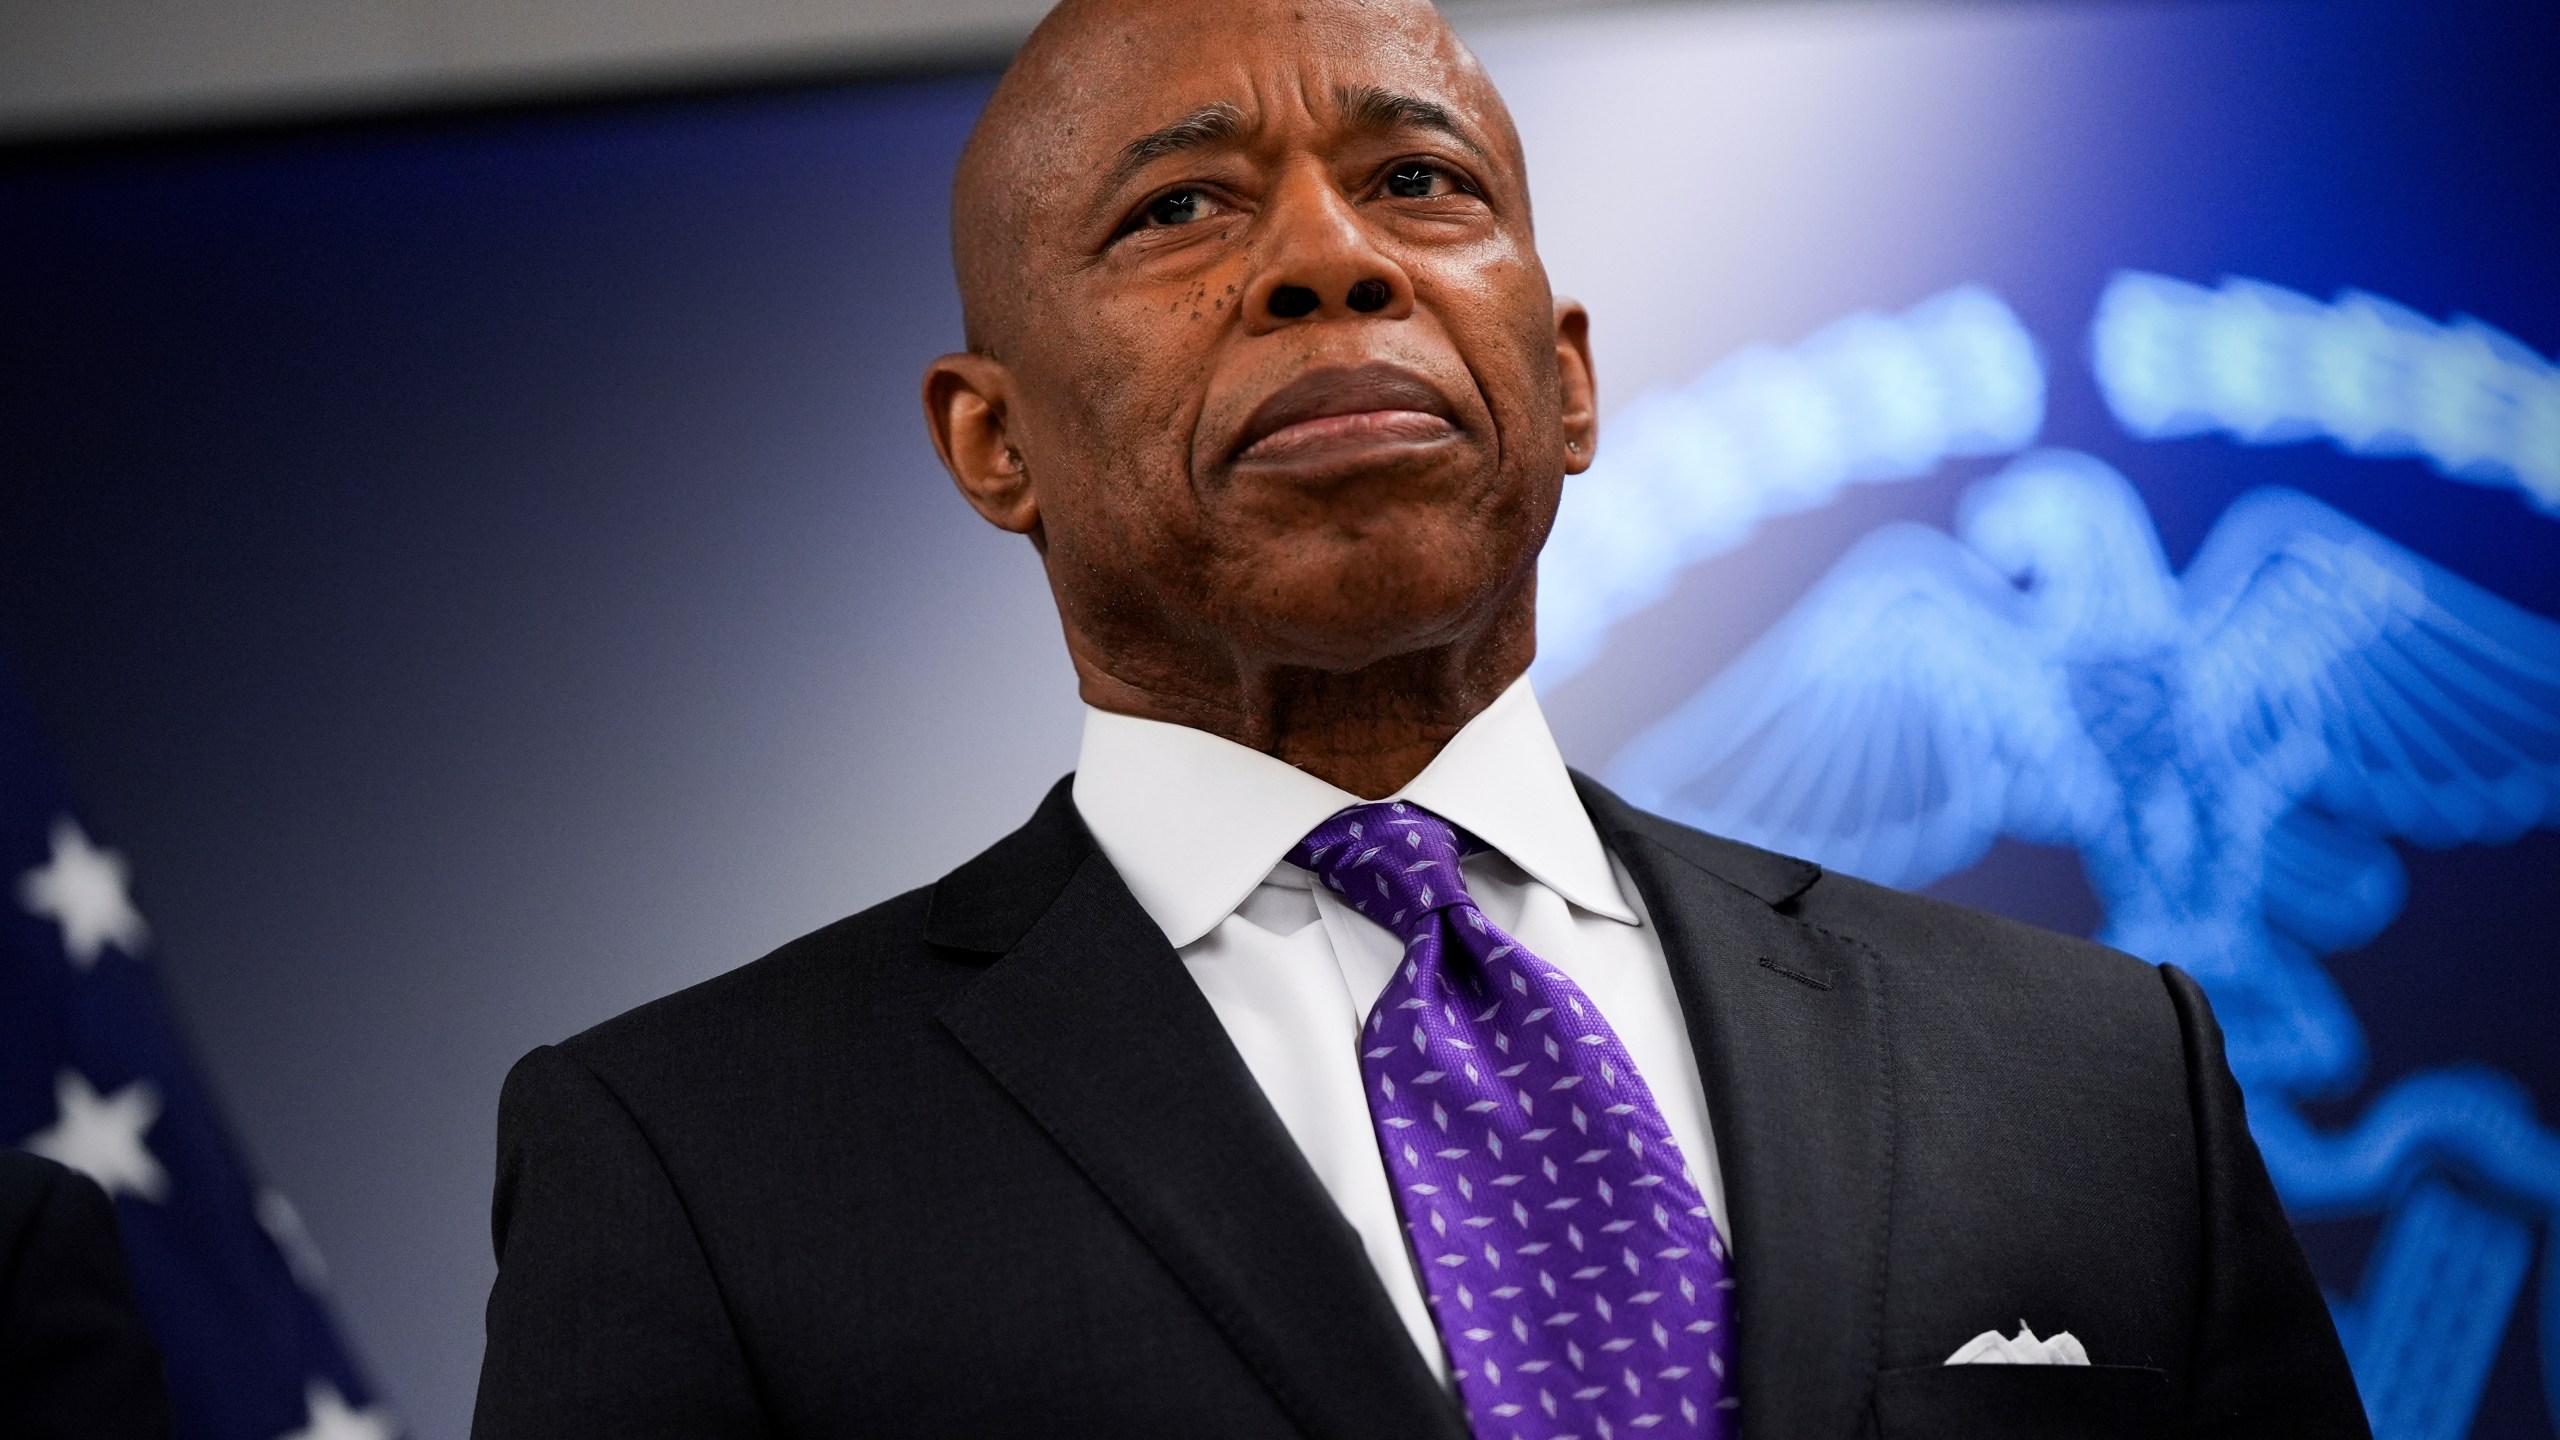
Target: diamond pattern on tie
[(1577, 1279)]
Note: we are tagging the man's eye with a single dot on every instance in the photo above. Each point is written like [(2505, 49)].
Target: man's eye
[(1414, 180), (1180, 207)]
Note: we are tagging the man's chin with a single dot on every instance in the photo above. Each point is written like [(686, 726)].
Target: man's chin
[(1371, 608)]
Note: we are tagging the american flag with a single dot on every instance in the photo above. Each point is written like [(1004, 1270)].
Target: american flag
[(93, 1073)]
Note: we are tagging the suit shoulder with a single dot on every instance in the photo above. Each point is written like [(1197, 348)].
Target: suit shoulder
[(1914, 934), (862, 995), (872, 964), (1942, 941), (1931, 952), (1964, 985)]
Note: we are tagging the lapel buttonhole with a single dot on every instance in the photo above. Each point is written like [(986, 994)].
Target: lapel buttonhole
[(1818, 982)]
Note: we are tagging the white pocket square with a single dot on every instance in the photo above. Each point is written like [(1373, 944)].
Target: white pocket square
[(1993, 1348)]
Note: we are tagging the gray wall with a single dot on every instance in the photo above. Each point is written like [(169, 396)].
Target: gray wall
[(71, 67), (78, 68), (485, 575)]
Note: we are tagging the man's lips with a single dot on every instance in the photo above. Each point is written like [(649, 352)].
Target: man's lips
[(1329, 413)]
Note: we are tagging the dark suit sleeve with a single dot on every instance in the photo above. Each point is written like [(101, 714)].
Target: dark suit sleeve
[(2267, 1359), (75, 1360), (605, 1320)]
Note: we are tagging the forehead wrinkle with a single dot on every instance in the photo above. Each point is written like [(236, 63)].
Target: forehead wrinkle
[(1220, 120), (1211, 124), (1375, 109)]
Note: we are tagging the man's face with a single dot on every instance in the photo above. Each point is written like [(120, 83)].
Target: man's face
[(1286, 380)]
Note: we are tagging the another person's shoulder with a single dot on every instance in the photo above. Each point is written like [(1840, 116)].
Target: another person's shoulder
[(34, 1191), (75, 1356), (44, 1204), (24, 1179)]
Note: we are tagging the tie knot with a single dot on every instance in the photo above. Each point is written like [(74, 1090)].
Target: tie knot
[(1394, 862)]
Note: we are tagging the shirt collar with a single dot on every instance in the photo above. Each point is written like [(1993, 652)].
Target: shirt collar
[(1193, 822)]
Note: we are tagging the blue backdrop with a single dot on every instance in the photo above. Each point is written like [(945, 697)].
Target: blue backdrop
[(2097, 461)]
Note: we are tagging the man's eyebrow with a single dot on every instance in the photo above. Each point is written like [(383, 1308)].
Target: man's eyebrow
[(1371, 108), (1208, 125), (1376, 109)]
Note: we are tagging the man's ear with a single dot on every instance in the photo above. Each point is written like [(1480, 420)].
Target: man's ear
[(1579, 409), (967, 404)]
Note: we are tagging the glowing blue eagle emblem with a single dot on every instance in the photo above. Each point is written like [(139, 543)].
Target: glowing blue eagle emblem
[(2228, 751)]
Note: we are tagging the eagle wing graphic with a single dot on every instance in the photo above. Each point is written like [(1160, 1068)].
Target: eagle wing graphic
[(1903, 715), (2397, 699), (2394, 693)]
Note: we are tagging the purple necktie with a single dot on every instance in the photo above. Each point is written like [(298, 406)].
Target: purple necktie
[(1575, 1275)]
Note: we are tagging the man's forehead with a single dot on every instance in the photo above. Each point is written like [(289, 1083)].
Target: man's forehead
[(1104, 86), (1125, 78), (1166, 34)]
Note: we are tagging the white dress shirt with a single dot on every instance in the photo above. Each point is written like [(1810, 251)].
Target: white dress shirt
[(1197, 825)]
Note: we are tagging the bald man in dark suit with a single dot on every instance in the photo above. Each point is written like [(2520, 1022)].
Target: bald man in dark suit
[(1324, 1058)]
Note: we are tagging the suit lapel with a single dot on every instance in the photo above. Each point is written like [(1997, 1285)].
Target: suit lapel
[(1789, 1030), (1088, 1019)]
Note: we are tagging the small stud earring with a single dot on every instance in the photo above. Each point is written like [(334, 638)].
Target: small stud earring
[(1574, 445)]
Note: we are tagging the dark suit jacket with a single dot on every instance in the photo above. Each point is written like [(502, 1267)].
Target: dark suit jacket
[(75, 1360), (980, 1161)]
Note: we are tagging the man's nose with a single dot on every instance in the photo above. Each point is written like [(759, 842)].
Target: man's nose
[(1321, 260)]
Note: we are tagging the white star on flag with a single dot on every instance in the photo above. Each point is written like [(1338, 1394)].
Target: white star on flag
[(331, 1418), (82, 889), (101, 1136)]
